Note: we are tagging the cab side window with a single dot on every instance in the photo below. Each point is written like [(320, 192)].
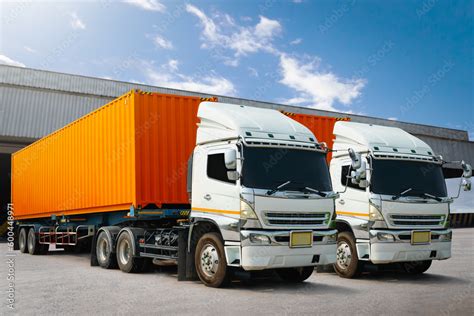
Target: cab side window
[(346, 171), (216, 168)]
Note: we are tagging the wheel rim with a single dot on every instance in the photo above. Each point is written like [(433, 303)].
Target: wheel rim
[(343, 256), (124, 251), (209, 260), (31, 241), (103, 248), (22, 238)]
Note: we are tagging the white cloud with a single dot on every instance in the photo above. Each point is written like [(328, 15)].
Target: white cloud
[(173, 64), (296, 41), (76, 22), (316, 88), (242, 40), (162, 42), (149, 5), (392, 118), (168, 76), (4, 60), (29, 49)]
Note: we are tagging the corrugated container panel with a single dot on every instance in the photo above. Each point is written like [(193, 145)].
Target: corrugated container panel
[(132, 151), (165, 138), (321, 126), (66, 171), (97, 87), (451, 150)]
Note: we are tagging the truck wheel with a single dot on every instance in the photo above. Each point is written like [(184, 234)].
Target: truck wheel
[(125, 258), (22, 241), (104, 252), (347, 262), (211, 265), (34, 247), (416, 267), (295, 275)]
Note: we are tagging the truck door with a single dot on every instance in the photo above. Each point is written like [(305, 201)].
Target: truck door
[(214, 196)]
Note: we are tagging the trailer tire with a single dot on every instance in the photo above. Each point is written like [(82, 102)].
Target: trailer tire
[(126, 259), (347, 261), (105, 257), (295, 275), (34, 247), (23, 240), (416, 267), (210, 261)]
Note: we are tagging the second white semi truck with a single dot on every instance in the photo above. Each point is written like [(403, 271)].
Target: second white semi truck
[(393, 205)]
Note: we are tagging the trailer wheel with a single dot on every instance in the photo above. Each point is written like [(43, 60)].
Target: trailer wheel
[(104, 253), (416, 267), (127, 262), (210, 261), (34, 247), (22, 241), (295, 275), (347, 262)]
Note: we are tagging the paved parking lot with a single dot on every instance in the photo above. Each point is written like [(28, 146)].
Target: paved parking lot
[(61, 283)]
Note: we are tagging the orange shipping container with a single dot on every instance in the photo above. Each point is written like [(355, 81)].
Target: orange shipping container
[(321, 126), (131, 151)]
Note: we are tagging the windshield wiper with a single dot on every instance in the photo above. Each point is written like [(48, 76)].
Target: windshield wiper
[(437, 198), (315, 191), (271, 192), (399, 195)]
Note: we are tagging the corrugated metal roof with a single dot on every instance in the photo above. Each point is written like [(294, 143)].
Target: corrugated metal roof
[(104, 90)]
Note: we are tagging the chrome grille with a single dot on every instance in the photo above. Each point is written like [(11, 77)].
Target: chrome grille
[(417, 220), (295, 218)]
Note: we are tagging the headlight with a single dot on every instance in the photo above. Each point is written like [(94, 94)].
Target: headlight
[(446, 237), (374, 213), (246, 211), (259, 239), (385, 237), (331, 239)]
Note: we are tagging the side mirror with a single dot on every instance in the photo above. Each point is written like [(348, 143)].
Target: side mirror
[(356, 159), (233, 175), (467, 170), (230, 159), (359, 172)]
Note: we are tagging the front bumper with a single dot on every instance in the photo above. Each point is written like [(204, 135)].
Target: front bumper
[(401, 249), (278, 254)]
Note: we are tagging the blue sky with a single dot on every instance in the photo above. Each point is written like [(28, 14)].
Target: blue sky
[(404, 60)]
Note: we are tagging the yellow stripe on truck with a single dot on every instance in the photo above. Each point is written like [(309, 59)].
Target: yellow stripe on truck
[(210, 210), (352, 213)]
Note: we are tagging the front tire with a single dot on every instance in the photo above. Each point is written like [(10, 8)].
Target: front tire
[(34, 247), (125, 257), (295, 275), (347, 261), (22, 240), (104, 253), (210, 261), (416, 267)]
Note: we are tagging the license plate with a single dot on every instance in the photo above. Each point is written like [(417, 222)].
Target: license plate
[(420, 237), (301, 239)]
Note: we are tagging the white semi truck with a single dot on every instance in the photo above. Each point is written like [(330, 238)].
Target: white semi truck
[(393, 205), (258, 196)]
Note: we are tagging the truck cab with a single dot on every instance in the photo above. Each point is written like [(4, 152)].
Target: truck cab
[(261, 195), (393, 205)]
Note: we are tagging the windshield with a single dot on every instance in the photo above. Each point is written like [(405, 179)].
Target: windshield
[(267, 168), (395, 176)]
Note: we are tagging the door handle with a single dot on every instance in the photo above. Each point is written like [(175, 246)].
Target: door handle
[(207, 197), (341, 201)]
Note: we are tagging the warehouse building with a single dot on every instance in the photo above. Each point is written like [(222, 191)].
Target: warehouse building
[(33, 103)]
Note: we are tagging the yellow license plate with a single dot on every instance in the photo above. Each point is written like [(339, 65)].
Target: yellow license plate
[(301, 239), (420, 237)]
